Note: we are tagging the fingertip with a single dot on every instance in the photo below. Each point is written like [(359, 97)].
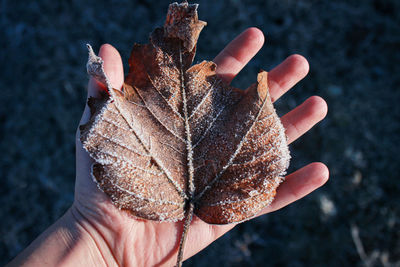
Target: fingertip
[(238, 53), (256, 36), (299, 64), (287, 74), (112, 65), (318, 105), (107, 48), (321, 172), (298, 121)]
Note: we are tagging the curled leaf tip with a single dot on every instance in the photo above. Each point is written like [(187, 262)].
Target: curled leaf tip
[(95, 68)]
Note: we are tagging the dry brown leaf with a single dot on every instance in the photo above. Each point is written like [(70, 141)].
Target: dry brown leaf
[(176, 139)]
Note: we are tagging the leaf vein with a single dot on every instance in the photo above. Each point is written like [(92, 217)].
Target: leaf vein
[(203, 99), (162, 168), (230, 161), (160, 122), (162, 96), (140, 196), (122, 145), (209, 126)]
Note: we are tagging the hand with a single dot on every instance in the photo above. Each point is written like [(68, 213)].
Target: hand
[(126, 241), (94, 232)]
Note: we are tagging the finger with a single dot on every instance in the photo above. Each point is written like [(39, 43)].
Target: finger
[(238, 53), (299, 184), (286, 75), (113, 68), (304, 117)]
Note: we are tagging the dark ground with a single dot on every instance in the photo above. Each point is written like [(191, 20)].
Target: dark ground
[(354, 52)]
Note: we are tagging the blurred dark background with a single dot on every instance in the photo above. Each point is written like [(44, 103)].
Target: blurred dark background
[(354, 52)]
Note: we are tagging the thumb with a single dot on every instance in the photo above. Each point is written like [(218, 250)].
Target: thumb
[(114, 70), (112, 67)]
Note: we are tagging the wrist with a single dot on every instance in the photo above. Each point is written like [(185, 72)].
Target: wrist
[(90, 241), (70, 241)]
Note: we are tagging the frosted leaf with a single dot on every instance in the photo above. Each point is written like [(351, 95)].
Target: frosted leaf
[(178, 140)]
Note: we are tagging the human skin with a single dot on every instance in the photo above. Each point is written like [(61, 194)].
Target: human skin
[(93, 232)]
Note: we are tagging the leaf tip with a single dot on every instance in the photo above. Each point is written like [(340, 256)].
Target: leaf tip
[(182, 22)]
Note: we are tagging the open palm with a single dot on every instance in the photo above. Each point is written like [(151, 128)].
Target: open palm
[(126, 241)]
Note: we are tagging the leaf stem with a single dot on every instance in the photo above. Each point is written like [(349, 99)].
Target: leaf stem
[(186, 224)]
